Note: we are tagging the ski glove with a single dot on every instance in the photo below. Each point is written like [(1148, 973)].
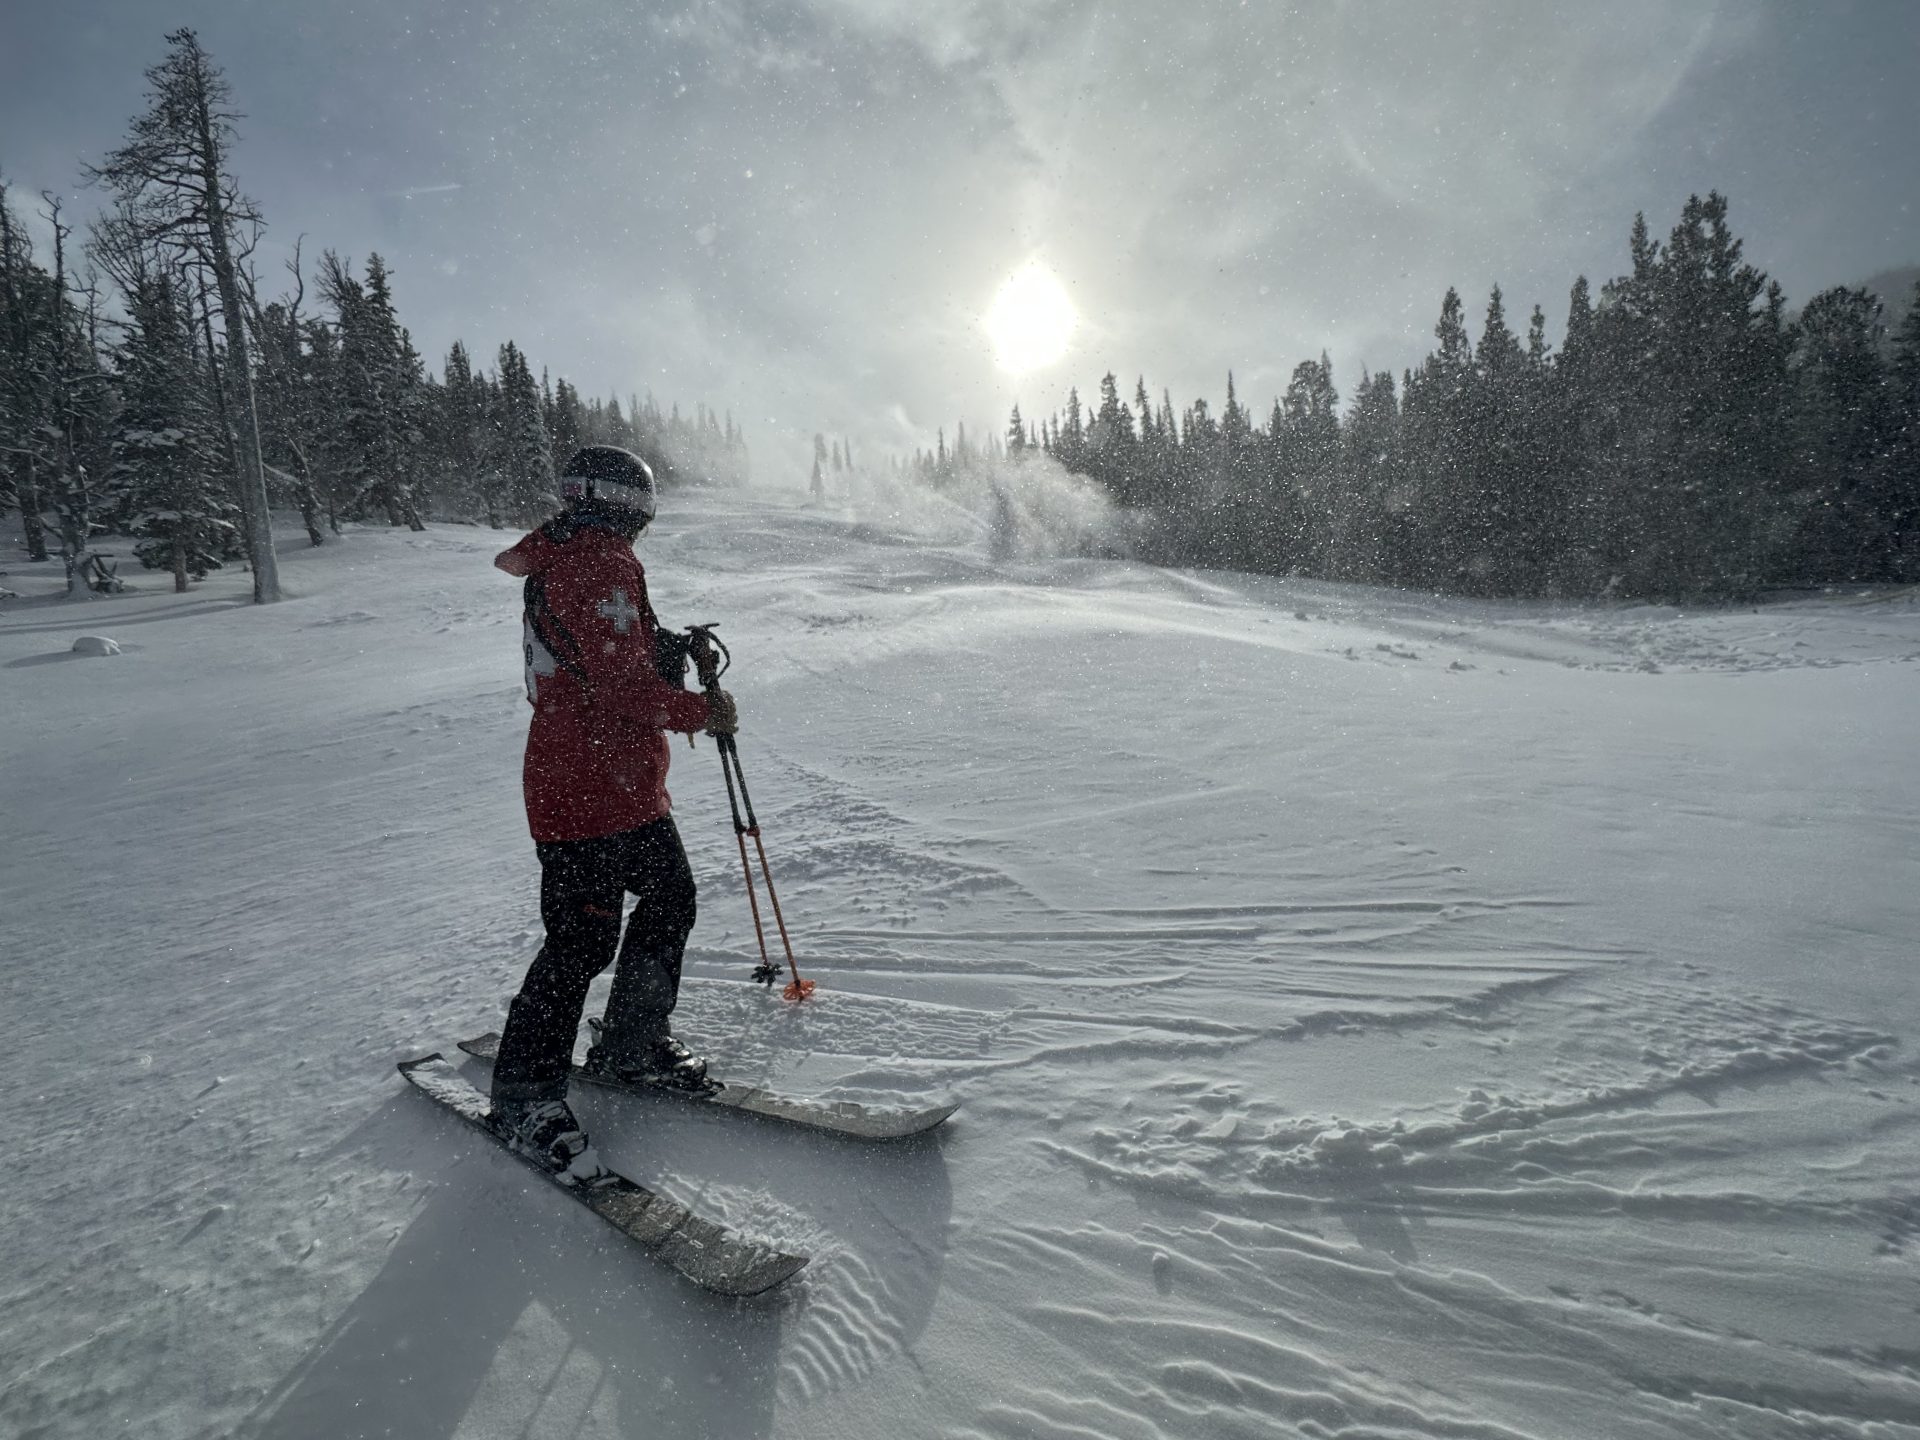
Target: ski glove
[(722, 716)]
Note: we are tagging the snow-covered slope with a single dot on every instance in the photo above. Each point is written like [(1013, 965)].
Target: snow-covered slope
[(1374, 1014)]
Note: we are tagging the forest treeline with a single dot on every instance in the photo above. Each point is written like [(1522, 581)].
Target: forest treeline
[(1689, 439), (149, 385)]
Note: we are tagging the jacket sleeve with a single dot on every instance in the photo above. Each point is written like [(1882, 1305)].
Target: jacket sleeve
[(604, 632)]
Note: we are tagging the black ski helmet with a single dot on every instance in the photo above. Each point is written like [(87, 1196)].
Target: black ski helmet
[(609, 477)]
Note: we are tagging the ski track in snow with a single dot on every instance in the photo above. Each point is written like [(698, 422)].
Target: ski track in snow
[(1373, 1014)]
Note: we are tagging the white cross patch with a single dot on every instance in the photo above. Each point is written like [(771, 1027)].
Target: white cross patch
[(619, 610)]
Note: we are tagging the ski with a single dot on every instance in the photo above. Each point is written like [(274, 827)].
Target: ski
[(709, 1255), (841, 1117)]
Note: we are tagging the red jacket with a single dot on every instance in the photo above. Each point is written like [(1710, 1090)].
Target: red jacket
[(596, 753)]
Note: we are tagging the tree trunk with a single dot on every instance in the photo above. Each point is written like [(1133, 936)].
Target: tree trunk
[(30, 514), (304, 494), (223, 415), (74, 534), (309, 502), (180, 556), (253, 479)]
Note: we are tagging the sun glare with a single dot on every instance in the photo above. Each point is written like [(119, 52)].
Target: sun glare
[(1030, 321)]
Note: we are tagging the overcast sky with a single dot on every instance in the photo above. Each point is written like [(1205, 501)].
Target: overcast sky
[(800, 209)]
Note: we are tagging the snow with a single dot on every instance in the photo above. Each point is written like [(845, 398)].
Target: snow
[(1373, 1014)]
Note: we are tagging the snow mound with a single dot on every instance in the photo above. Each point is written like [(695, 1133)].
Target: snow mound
[(96, 645)]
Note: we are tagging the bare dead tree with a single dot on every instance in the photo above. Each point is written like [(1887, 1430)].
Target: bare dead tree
[(173, 180)]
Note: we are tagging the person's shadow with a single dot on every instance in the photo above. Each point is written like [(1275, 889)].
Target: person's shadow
[(506, 1309)]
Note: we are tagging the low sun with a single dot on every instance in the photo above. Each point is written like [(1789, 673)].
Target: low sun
[(1030, 321)]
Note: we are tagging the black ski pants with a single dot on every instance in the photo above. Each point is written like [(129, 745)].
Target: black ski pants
[(583, 889)]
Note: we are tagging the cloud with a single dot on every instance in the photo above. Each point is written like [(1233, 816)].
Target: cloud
[(800, 209), (1240, 189)]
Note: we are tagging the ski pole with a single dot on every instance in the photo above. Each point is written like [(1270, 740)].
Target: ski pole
[(710, 665), (767, 972)]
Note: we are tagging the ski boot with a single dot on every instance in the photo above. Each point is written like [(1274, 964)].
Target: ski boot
[(658, 1060), (546, 1133)]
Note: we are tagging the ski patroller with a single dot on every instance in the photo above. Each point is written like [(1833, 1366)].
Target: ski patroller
[(840, 1117), (708, 1254)]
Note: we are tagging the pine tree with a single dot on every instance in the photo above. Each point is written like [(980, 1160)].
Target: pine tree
[(1113, 448), (1195, 484), (1437, 410), (1235, 492), (286, 396), (413, 405), (70, 400), (457, 437), (1489, 502), (490, 449), (1071, 443), (25, 315), (51, 402), (1577, 431), (1900, 470), (331, 445), (1843, 423), (564, 420), (1906, 359), (32, 312), (1718, 358), (526, 461), (376, 380), (1313, 520), (168, 466), (172, 181), (1371, 463)]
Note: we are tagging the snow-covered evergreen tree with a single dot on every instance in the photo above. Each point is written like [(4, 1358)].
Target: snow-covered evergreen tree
[(376, 375), (289, 400), (526, 457), (1844, 421), (26, 320), (168, 470)]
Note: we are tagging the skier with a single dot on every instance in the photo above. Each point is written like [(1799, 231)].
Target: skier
[(605, 682)]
